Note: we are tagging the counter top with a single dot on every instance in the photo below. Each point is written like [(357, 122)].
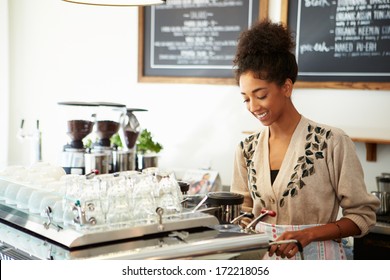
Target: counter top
[(381, 228)]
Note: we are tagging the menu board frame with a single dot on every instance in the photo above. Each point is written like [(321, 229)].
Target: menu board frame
[(331, 84), (142, 78)]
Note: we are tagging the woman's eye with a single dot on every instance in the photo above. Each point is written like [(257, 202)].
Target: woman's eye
[(246, 100), (262, 97)]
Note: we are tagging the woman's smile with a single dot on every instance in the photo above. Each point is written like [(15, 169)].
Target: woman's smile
[(262, 116)]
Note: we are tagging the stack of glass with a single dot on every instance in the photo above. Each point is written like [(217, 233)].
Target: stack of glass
[(107, 201)]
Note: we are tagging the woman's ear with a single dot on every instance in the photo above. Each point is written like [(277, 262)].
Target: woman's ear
[(287, 88)]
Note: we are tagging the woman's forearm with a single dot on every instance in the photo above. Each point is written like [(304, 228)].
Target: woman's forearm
[(336, 230), (332, 231)]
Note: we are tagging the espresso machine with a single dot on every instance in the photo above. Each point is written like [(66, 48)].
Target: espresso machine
[(79, 119), (108, 120)]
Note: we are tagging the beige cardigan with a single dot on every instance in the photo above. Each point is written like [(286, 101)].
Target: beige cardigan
[(320, 173)]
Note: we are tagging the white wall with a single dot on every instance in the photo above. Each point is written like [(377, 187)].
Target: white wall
[(4, 91), (64, 52)]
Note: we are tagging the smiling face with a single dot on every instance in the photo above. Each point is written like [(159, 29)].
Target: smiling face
[(267, 101)]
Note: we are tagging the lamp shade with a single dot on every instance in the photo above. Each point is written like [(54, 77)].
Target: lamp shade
[(117, 2)]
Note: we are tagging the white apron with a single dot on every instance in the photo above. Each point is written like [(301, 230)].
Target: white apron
[(319, 250)]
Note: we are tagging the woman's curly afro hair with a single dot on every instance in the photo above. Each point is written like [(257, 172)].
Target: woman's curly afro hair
[(266, 50)]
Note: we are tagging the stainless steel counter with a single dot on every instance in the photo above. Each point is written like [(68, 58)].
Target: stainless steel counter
[(189, 236), (382, 225), (381, 228), (200, 243)]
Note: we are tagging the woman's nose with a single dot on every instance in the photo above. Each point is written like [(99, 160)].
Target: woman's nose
[(253, 106)]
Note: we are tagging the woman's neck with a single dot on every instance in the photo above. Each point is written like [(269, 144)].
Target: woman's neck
[(285, 127)]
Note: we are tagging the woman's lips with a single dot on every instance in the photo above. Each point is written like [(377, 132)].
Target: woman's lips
[(261, 116)]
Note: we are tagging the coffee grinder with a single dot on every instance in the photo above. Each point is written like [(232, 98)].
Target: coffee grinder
[(79, 122), (125, 157), (107, 123)]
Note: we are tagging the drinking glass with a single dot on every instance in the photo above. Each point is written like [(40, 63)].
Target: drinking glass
[(143, 199), (13, 171), (58, 212), (151, 171), (70, 195), (49, 200), (34, 202), (118, 211), (169, 193), (104, 186), (114, 196), (23, 196), (10, 193), (3, 186)]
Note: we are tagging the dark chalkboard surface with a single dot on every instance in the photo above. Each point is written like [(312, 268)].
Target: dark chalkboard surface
[(344, 42), (193, 41)]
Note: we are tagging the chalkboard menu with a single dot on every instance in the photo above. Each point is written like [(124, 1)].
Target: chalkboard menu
[(193, 39), (342, 41)]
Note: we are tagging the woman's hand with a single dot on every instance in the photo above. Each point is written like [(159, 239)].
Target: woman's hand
[(332, 231), (290, 249)]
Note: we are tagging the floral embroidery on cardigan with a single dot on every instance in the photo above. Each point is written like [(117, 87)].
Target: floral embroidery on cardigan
[(248, 149), (316, 144)]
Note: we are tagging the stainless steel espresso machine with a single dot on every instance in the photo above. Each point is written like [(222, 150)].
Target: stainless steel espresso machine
[(78, 217)]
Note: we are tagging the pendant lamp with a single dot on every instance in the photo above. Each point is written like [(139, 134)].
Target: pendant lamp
[(117, 2)]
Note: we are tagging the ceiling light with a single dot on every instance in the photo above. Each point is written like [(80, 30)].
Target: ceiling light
[(117, 2)]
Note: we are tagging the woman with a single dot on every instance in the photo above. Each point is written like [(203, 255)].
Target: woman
[(302, 170)]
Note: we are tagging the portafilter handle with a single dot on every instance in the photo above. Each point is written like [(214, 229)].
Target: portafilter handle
[(251, 226), (243, 215), (200, 204)]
